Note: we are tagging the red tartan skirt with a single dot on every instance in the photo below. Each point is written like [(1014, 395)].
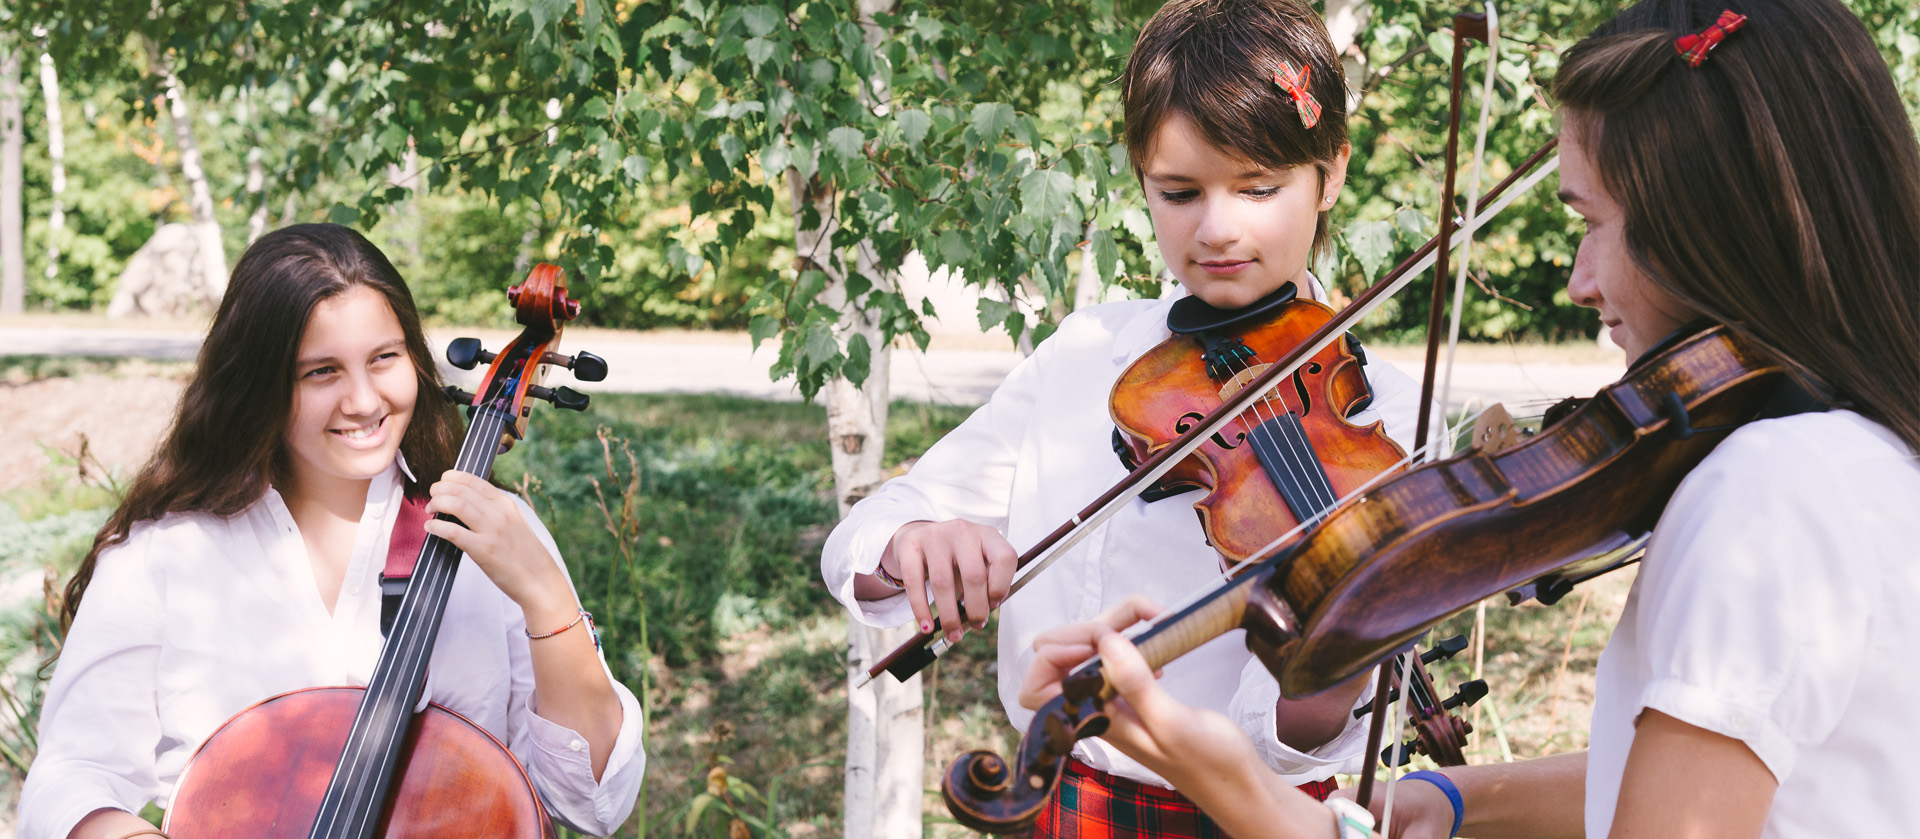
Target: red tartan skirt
[(1091, 804)]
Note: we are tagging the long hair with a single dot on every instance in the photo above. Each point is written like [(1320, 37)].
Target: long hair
[(1774, 188), (1213, 62), (228, 438)]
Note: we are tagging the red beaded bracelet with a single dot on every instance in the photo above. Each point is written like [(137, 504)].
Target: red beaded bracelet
[(583, 616)]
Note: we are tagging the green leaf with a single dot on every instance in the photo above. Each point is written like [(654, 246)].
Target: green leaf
[(732, 149), (859, 360), (774, 158), (758, 51), (344, 215), (762, 327), (820, 349), (1045, 194), (1370, 242), (846, 141), (954, 248), (1106, 256), (993, 313), (636, 167), (913, 125), (760, 20), (670, 26), (990, 119)]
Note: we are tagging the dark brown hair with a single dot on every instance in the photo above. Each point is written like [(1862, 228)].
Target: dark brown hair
[(228, 438), (1775, 188), (1212, 61)]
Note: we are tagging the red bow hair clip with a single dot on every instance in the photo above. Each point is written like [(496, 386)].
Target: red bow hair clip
[(1694, 48), (1294, 82)]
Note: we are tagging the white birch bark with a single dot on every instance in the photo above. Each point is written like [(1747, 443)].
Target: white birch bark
[(1344, 19), (1091, 285), (256, 169), (206, 228), (57, 156), (13, 240), (886, 743)]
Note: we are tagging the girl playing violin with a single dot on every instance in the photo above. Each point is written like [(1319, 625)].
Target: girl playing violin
[(1236, 124), (244, 561), (1753, 167)]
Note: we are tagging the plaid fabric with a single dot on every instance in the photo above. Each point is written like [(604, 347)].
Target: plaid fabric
[(1091, 804)]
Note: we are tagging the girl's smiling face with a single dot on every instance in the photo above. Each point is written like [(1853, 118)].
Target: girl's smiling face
[(353, 393), (1231, 230), (1605, 275)]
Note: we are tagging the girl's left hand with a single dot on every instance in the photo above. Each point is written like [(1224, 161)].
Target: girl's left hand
[(498, 539)]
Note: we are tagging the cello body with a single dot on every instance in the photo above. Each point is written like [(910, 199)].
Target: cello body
[(455, 780)]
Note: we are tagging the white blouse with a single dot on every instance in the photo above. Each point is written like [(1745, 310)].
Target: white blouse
[(195, 618), (1779, 605), (1038, 452)]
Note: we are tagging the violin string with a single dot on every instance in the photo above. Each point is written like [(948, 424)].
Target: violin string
[(1298, 451)]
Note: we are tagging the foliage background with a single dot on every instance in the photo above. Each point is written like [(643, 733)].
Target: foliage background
[(632, 141)]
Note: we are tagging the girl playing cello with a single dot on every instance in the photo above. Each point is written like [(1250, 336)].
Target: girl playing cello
[(1754, 167), (244, 562)]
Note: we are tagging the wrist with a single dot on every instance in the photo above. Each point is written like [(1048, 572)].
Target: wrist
[(1447, 788)]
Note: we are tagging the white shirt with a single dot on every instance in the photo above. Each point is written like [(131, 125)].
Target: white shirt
[(1029, 460), (195, 618), (1779, 605)]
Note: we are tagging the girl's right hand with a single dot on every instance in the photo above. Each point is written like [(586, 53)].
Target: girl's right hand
[(960, 562)]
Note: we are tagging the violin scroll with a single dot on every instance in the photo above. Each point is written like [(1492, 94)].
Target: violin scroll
[(984, 793)]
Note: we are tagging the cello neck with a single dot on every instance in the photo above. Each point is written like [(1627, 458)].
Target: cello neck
[(356, 795)]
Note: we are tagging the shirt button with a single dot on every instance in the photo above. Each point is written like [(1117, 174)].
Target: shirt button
[(353, 590), (576, 745)]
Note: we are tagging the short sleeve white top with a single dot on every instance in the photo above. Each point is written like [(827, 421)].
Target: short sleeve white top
[(1779, 605), (1032, 457), (195, 618)]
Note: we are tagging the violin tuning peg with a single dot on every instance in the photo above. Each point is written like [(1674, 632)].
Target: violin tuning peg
[(1406, 754), (1468, 694), (464, 353), (561, 397), (458, 396), (1362, 711), (1444, 649)]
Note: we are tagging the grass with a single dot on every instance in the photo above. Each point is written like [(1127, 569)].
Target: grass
[(696, 524)]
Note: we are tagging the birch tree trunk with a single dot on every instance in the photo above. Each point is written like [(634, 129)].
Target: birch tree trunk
[(1344, 19), (886, 745), (1087, 291), (256, 168), (13, 240), (57, 155), (206, 228)]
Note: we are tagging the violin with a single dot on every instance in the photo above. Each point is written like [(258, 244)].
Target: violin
[(1287, 458), (1426, 544), (353, 762)]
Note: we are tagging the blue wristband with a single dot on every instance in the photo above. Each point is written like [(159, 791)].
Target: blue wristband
[(1453, 794)]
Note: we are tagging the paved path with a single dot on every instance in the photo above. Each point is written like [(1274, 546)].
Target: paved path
[(640, 363)]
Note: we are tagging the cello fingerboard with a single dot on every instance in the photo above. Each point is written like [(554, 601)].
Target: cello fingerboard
[(356, 796)]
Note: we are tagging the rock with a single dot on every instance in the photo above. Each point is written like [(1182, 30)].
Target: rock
[(164, 278)]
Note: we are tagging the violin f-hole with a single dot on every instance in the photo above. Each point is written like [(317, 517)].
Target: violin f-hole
[(1189, 418)]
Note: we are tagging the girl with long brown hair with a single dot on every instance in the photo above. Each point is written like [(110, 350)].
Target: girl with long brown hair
[(244, 561), (1751, 166)]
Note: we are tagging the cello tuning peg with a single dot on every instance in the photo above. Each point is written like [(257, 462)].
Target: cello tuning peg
[(1444, 649), (561, 397), (464, 353), (586, 366), (458, 396), (1367, 708), (1468, 694)]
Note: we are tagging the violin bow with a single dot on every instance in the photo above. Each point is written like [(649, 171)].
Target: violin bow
[(1486, 29), (924, 648)]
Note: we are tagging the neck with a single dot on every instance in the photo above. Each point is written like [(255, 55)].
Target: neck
[(338, 498)]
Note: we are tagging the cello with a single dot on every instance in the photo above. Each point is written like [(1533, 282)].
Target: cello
[(358, 762)]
